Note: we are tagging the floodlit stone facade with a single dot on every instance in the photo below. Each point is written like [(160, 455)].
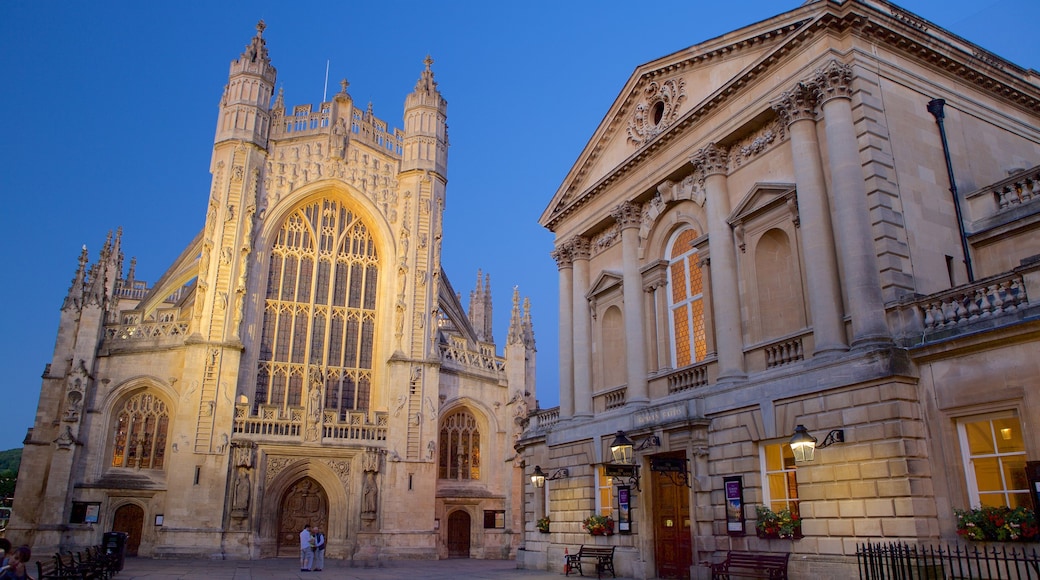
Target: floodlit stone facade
[(761, 235), (304, 360)]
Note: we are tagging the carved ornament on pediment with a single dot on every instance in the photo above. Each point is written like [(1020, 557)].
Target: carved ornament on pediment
[(658, 110), (757, 143), (341, 468), (605, 239)]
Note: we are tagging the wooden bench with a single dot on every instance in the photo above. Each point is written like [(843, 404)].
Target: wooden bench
[(751, 565), (93, 564), (603, 555)]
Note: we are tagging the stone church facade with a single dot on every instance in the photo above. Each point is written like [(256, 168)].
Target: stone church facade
[(304, 360), (761, 235)]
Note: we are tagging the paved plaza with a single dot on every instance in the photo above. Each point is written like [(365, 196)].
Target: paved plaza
[(288, 568)]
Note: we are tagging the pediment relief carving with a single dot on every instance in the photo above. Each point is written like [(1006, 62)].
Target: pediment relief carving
[(659, 108)]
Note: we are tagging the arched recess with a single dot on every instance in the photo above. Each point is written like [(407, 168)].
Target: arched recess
[(778, 286), (686, 298), (460, 531), (129, 517), (383, 239), (612, 337), (336, 490), (485, 424), (685, 214)]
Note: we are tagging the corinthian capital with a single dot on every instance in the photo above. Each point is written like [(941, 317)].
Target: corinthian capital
[(712, 160), (795, 105), (627, 215), (563, 257), (833, 80), (579, 247)]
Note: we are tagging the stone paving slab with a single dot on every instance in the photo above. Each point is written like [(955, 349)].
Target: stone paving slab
[(288, 569)]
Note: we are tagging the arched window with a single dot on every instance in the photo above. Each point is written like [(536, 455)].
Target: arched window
[(685, 301), (459, 447), (140, 432), (319, 313)]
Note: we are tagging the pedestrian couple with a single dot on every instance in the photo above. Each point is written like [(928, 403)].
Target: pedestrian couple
[(312, 549)]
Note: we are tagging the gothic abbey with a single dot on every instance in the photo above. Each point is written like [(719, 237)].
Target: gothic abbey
[(304, 360)]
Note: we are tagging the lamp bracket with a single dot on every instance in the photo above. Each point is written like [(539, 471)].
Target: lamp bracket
[(835, 436)]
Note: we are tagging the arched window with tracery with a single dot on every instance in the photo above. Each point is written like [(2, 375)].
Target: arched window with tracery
[(686, 300), (459, 447), (320, 310), (141, 423)]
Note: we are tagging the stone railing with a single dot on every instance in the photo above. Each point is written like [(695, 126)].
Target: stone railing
[(687, 378), (964, 305), (545, 418), (611, 399), (303, 121), (1006, 194), (784, 352), (290, 424), (455, 353), (146, 330)]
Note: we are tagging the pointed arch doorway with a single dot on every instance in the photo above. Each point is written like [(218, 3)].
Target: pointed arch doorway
[(130, 519), (305, 502), (458, 534)]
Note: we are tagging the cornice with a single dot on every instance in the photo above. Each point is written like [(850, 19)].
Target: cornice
[(896, 28)]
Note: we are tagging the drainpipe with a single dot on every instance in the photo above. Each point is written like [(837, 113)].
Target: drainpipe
[(935, 107)]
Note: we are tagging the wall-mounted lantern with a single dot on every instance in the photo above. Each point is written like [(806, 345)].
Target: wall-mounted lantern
[(804, 445), (538, 478)]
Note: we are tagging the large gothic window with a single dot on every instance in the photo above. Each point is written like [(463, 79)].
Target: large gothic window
[(460, 447), (319, 313), (140, 432), (686, 303)]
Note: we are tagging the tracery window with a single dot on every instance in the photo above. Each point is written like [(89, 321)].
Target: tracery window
[(140, 432), (459, 447), (320, 310), (686, 300)]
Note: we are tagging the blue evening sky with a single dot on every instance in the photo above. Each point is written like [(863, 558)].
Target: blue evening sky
[(113, 106)]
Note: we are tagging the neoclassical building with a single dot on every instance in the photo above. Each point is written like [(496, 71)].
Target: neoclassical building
[(304, 360), (827, 219)]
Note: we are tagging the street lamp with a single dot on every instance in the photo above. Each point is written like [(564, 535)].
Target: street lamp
[(539, 477), (804, 445)]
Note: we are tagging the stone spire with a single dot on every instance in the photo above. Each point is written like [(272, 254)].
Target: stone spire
[(244, 108), (516, 325), (74, 299), (480, 308), (528, 325), (426, 126)]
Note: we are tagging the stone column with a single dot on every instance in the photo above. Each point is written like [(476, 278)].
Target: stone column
[(565, 264), (713, 163), (832, 86), (629, 217), (704, 263), (655, 280), (580, 253), (795, 107)]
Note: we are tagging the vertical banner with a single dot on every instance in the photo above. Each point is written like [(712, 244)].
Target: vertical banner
[(624, 514), (734, 487)]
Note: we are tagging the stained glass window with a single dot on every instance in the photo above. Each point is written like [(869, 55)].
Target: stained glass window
[(140, 432), (459, 447)]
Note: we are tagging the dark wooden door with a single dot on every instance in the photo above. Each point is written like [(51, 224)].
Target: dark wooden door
[(304, 503), (130, 519), (458, 534), (673, 546)]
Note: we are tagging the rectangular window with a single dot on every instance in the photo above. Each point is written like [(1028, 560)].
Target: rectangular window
[(780, 489), (604, 492), (994, 460), (494, 519)]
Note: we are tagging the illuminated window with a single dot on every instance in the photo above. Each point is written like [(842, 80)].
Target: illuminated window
[(459, 447), (995, 460), (781, 481), (319, 313), (604, 492), (140, 432), (686, 303)]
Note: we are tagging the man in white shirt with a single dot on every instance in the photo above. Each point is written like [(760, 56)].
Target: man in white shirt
[(306, 553)]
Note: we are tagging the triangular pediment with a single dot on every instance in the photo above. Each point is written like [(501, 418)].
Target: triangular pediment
[(662, 93), (606, 281), (762, 197)]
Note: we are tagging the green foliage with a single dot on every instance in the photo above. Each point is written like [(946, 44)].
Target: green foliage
[(1001, 524), (10, 459), (542, 524)]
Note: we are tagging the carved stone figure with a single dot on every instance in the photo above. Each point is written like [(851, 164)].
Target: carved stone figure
[(242, 490)]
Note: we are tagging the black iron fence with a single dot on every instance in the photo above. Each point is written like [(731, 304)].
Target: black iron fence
[(899, 561)]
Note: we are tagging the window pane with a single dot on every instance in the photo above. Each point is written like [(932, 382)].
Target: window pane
[(987, 474), (1008, 435), (980, 438)]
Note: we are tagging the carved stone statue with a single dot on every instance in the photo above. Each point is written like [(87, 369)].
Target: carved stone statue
[(242, 490)]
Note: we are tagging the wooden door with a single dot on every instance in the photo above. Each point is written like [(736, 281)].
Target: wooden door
[(304, 503), (673, 545), (130, 519), (458, 534)]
